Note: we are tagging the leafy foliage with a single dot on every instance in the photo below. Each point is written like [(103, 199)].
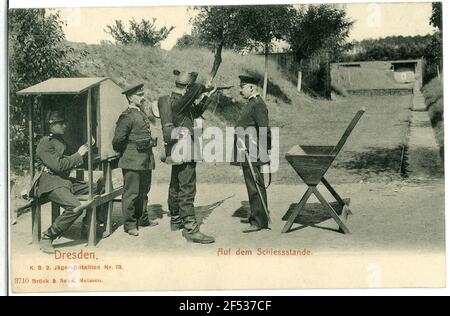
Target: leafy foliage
[(263, 24), (390, 48), (318, 36), (238, 27), (219, 26), (436, 15), (320, 27), (37, 52), (190, 41), (143, 32)]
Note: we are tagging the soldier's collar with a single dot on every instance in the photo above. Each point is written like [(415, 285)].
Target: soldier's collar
[(253, 96), (55, 136), (132, 106)]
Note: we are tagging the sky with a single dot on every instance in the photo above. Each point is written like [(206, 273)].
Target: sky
[(372, 20)]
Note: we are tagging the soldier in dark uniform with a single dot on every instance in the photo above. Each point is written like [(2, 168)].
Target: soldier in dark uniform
[(133, 140), (53, 180), (255, 114), (182, 189)]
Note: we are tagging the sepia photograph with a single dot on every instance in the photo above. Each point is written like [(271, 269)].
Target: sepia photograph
[(226, 147)]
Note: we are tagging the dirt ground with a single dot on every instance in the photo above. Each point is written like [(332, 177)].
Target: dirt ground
[(386, 216)]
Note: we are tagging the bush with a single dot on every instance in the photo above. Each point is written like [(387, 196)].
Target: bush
[(144, 33), (37, 51), (433, 93)]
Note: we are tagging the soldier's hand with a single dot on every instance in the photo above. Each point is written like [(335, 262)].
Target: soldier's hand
[(83, 150)]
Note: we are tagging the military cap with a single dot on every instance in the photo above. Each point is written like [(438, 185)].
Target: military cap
[(248, 80), (55, 117), (185, 78), (135, 89)]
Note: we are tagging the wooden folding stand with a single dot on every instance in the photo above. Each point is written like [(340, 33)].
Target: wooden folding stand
[(311, 163)]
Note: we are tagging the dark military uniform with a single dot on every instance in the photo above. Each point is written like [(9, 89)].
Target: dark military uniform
[(132, 139), (255, 114), (183, 179), (54, 182), (182, 109)]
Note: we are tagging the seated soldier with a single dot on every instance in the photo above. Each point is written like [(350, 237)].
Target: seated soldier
[(54, 182)]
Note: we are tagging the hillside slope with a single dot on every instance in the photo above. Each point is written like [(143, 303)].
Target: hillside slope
[(154, 67)]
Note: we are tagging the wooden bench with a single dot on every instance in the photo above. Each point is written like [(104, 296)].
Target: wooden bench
[(109, 197)]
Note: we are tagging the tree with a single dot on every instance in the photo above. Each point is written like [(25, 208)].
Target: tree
[(391, 48), (436, 15), (320, 26), (144, 32), (37, 51), (218, 27), (433, 52), (264, 24), (189, 40), (239, 27), (319, 33)]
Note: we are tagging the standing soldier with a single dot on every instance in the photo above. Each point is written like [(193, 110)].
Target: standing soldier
[(255, 115), (183, 108), (53, 180), (133, 140)]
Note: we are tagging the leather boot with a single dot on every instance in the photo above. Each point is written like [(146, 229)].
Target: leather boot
[(176, 223), (146, 222), (192, 232), (46, 242), (198, 237)]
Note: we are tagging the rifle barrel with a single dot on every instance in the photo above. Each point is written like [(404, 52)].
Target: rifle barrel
[(208, 89)]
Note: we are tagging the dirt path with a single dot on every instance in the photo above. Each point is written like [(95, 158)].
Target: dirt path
[(393, 216)]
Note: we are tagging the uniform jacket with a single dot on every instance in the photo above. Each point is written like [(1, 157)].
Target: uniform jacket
[(181, 112), (185, 110), (255, 114), (51, 153), (133, 126)]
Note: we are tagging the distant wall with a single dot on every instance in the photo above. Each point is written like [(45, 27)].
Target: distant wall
[(375, 92), (402, 71)]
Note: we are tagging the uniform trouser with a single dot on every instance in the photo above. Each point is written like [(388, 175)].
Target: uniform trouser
[(257, 216), (182, 190), (68, 200), (136, 185)]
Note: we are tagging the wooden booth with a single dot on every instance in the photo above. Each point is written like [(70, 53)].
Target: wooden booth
[(91, 107)]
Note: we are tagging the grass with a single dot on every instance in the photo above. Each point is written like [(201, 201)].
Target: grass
[(154, 67), (434, 100)]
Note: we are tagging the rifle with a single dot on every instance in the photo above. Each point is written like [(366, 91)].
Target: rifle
[(202, 105), (252, 171), (211, 88)]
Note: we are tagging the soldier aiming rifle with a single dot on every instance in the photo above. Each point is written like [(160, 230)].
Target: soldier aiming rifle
[(188, 101)]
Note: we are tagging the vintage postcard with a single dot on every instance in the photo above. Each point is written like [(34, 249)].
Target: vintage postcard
[(219, 147)]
